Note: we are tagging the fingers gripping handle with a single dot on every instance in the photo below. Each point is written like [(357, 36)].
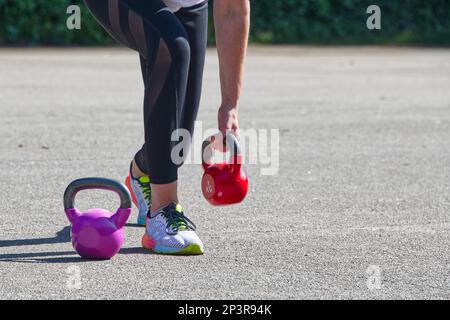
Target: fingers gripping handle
[(96, 183), (229, 141), (207, 152)]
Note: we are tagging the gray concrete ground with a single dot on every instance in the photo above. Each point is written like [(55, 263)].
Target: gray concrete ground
[(363, 187)]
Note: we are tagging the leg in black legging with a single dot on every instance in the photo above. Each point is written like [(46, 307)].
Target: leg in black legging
[(195, 22), (172, 48)]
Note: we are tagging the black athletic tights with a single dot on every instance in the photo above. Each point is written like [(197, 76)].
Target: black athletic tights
[(172, 50)]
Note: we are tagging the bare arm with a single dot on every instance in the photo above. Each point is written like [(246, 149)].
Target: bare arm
[(232, 23)]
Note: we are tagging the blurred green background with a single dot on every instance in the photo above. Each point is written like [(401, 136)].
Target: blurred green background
[(421, 22)]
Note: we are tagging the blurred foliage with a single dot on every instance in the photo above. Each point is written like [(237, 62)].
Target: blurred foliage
[(43, 22), (344, 21)]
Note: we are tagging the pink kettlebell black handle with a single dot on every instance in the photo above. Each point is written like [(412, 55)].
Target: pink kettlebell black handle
[(230, 140), (96, 183)]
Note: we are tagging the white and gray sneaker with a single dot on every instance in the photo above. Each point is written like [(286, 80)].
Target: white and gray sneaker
[(141, 194), (171, 232)]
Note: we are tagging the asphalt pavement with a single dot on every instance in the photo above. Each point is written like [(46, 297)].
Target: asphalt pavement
[(359, 207)]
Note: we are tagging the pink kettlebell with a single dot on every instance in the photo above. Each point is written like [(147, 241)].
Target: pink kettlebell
[(97, 233)]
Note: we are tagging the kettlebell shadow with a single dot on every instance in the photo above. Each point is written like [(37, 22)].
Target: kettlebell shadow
[(134, 225), (43, 257), (61, 236)]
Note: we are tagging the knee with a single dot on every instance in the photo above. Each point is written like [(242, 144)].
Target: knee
[(180, 50)]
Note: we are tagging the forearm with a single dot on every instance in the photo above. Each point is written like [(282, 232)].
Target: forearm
[(232, 23)]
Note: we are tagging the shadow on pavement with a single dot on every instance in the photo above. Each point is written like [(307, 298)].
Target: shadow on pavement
[(134, 225), (54, 257), (61, 236), (136, 250), (40, 257), (61, 257)]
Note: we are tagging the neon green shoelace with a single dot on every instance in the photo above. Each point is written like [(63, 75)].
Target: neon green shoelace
[(145, 186), (176, 220)]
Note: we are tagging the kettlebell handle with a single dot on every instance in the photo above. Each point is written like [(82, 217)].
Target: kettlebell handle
[(96, 183), (231, 141)]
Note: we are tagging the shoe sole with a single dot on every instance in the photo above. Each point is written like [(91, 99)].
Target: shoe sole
[(128, 184), (190, 250), (133, 197)]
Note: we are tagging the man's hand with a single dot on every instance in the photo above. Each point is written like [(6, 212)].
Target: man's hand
[(232, 22), (228, 120)]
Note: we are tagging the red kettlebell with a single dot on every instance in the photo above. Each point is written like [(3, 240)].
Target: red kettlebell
[(223, 183)]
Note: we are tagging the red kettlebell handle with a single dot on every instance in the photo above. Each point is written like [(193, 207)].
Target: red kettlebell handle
[(235, 151), (96, 183)]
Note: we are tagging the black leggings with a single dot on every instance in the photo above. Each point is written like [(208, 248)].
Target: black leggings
[(172, 49)]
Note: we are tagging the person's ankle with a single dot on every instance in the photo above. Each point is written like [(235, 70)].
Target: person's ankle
[(161, 205), (136, 173), (163, 195)]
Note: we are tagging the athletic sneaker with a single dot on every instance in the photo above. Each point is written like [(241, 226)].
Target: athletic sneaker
[(141, 195), (171, 232)]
